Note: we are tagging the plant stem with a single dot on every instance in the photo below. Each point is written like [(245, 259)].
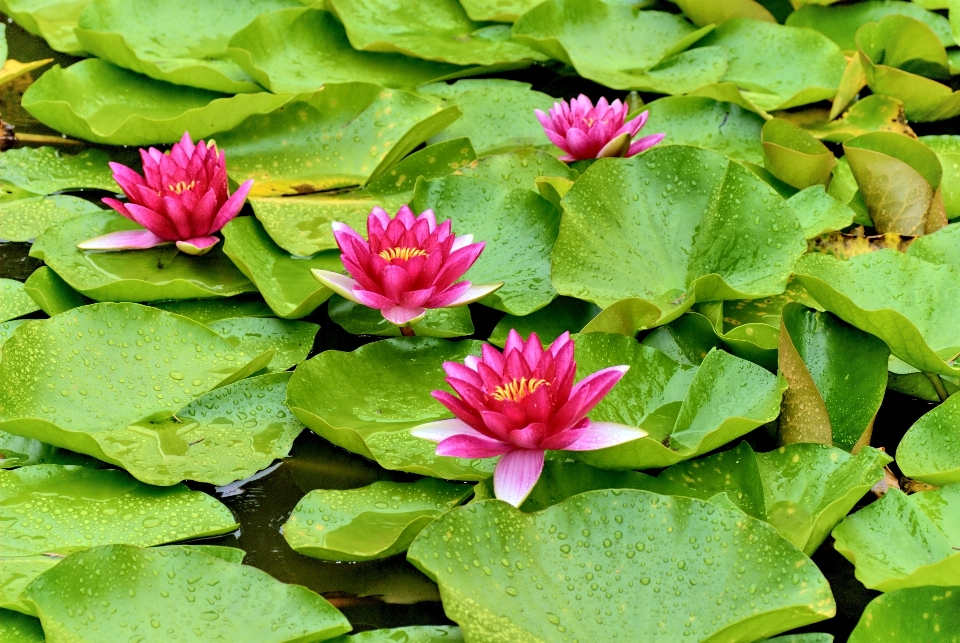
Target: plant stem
[(407, 331), (938, 386)]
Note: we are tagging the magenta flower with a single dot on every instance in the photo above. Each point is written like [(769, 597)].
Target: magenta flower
[(182, 198), (519, 404), (587, 132), (409, 264)]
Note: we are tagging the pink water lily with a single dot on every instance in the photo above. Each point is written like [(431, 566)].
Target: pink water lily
[(182, 198), (406, 265), (519, 404), (587, 132)]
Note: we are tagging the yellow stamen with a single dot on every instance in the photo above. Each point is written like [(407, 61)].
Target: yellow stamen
[(402, 253), (518, 389), (181, 186)]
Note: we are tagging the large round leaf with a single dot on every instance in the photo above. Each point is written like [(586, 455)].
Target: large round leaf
[(930, 450), (520, 168), (27, 219), (53, 21), (411, 634), (14, 301), (159, 273), (915, 615), (603, 562), (52, 294), (291, 341), (563, 314), (672, 227), (947, 149), (154, 596), (44, 170), (19, 628), (819, 212), (100, 102), (840, 23), (794, 156), (358, 319)]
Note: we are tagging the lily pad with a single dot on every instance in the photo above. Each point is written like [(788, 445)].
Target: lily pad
[(668, 229), (52, 20), (370, 523), (875, 113), (930, 450), (360, 320), (299, 49), (14, 301), (412, 634), (537, 572), (210, 310), (616, 46), (707, 123), (99, 102), (49, 508), (16, 451), (686, 410), (51, 293), (285, 281), (895, 297), (819, 212), (379, 392), (840, 23), (146, 586), (431, 162), (705, 12), (76, 379), (497, 114), (794, 156), (437, 30), (44, 170), (519, 228), (519, 169), (563, 314), (343, 135), (912, 615), (140, 275), (844, 188), (291, 341), (802, 490), (163, 41), (837, 376), (904, 541), (19, 628), (497, 10), (940, 247), (947, 149), (27, 219)]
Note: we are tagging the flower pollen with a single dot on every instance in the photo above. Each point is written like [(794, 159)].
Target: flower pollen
[(405, 254), (182, 186), (518, 389)]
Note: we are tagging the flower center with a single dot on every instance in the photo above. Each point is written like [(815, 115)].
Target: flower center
[(181, 186), (402, 253), (518, 389)]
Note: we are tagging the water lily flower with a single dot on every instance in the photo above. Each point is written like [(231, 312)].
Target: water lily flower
[(408, 265), (587, 132), (519, 404), (182, 198)]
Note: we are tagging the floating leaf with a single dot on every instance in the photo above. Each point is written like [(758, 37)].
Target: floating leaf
[(412, 634), (525, 600), (930, 450), (668, 229), (563, 314), (519, 169), (914, 615), (794, 156), (14, 301), (840, 23), (435, 30), (357, 319), (875, 113), (236, 602), (19, 628), (99, 102), (52, 21), (803, 490), (498, 10), (894, 297), (819, 212), (209, 310), (27, 219), (369, 523), (51, 293), (16, 451), (49, 508), (705, 12), (904, 541), (299, 49), (837, 376), (940, 247), (140, 275), (616, 46), (290, 341), (45, 170), (431, 162), (947, 149)]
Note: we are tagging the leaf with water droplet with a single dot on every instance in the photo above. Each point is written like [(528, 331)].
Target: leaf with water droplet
[(914, 615)]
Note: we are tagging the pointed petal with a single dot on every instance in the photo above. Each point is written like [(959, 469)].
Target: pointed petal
[(232, 207), (516, 474), (636, 124), (600, 435), (123, 240), (644, 143), (442, 429), (340, 284), (461, 242), (371, 299), (470, 446), (587, 394), (403, 316), (197, 246), (473, 293)]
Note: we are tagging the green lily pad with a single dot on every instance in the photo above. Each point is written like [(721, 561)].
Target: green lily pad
[(497, 10), (27, 219), (707, 123), (819, 212), (142, 275), (895, 297), (431, 162), (159, 41), (875, 113), (99, 102), (802, 490), (939, 248), (51, 293), (537, 572), (778, 67), (930, 450), (44, 170), (519, 169), (299, 49), (284, 281), (147, 586), (374, 395), (49, 508), (290, 341), (686, 410), (497, 114), (904, 541), (14, 301), (370, 523), (913, 615), (668, 229), (840, 23), (210, 310), (19, 628), (412, 634), (844, 188), (563, 314), (360, 320), (518, 254), (705, 12), (947, 149), (16, 451), (7, 328), (436, 30), (837, 376), (794, 156), (616, 46), (52, 20), (110, 368), (343, 135)]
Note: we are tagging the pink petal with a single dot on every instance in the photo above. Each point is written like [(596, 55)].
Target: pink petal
[(378, 220), (403, 316), (153, 221), (197, 246), (442, 429), (644, 143), (232, 207), (123, 240), (469, 446), (587, 394), (457, 264), (430, 218), (416, 298), (600, 435), (461, 242), (340, 284), (580, 144), (463, 372), (516, 474), (472, 294), (118, 206), (634, 125), (444, 298), (371, 299)]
